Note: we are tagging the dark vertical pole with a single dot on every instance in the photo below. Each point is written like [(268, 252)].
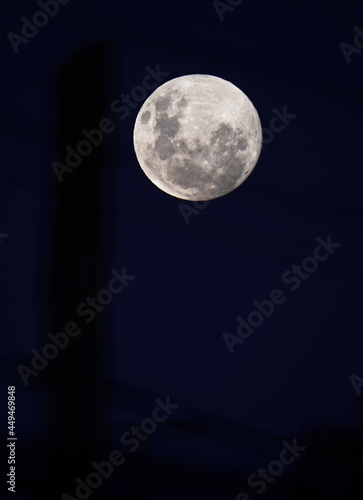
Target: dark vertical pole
[(72, 377)]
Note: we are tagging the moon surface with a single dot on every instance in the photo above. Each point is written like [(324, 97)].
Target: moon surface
[(197, 137)]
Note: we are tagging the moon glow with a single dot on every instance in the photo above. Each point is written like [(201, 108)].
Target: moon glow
[(197, 137)]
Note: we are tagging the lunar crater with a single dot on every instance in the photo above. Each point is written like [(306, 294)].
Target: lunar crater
[(162, 104), (167, 126), (183, 103), (164, 148), (145, 117)]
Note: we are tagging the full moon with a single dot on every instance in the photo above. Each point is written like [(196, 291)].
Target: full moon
[(197, 137)]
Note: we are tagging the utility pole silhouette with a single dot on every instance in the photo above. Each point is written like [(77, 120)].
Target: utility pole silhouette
[(72, 378)]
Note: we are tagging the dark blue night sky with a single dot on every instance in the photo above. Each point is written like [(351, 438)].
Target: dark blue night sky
[(179, 279)]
